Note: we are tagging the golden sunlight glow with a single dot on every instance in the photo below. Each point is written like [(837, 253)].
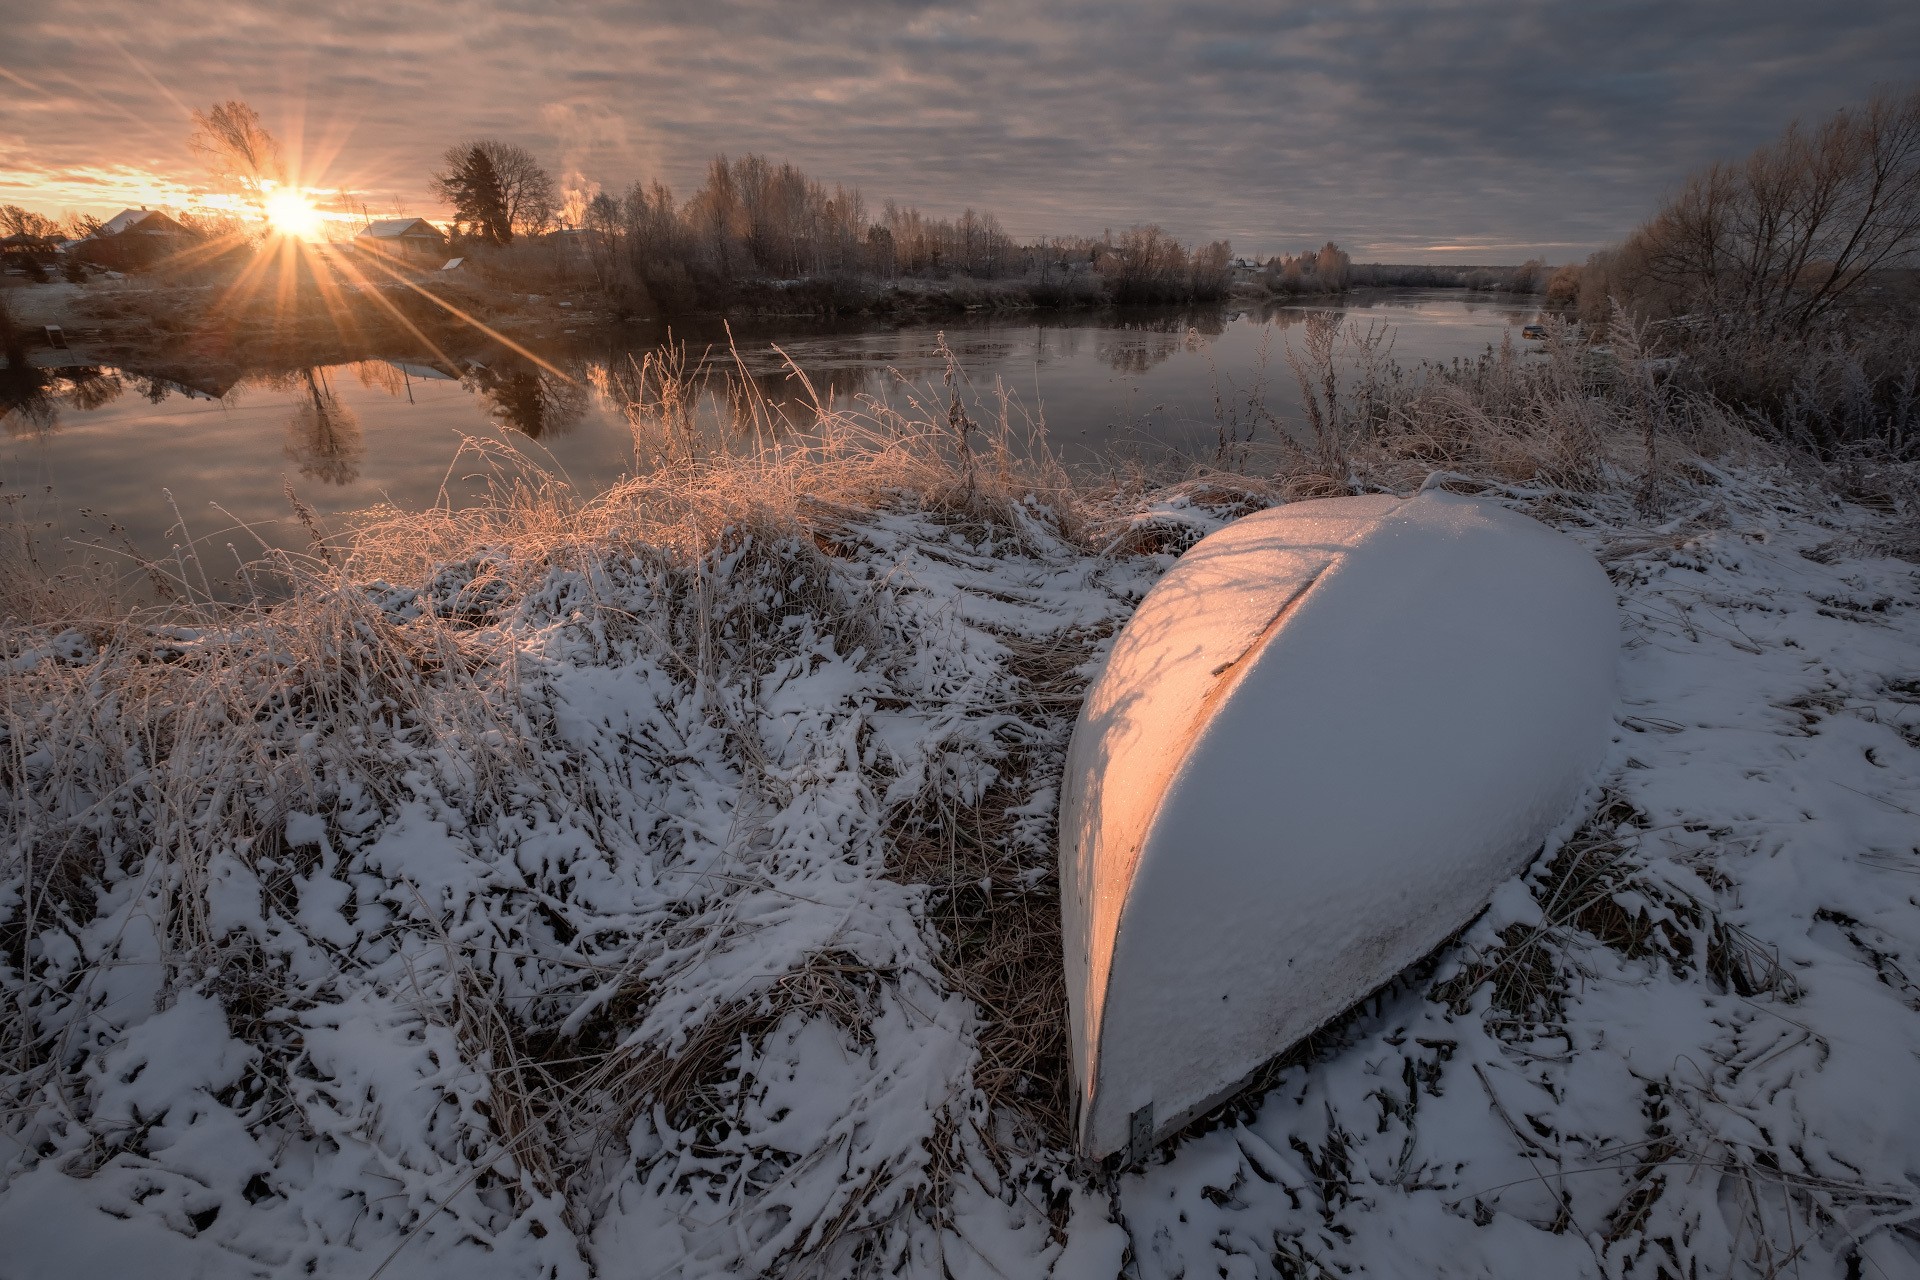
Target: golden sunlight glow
[(291, 213)]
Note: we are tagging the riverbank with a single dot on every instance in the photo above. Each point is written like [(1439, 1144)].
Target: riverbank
[(221, 327), (327, 311), (553, 883), (198, 334), (187, 329)]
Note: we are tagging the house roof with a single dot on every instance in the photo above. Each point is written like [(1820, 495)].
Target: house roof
[(395, 228), (147, 221)]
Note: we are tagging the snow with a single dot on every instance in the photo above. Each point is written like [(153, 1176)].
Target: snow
[(1322, 741), (1709, 1067), (1664, 1119), (1096, 1246)]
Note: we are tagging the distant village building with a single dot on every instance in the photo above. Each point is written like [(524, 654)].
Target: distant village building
[(403, 238), (133, 238), (140, 222)]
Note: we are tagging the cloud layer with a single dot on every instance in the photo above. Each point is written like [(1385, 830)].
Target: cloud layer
[(1457, 131)]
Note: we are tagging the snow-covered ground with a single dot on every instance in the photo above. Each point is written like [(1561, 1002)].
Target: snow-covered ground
[(634, 983)]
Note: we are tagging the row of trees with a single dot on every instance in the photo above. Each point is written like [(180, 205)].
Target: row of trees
[(1323, 270), (753, 218), (15, 221), (750, 217)]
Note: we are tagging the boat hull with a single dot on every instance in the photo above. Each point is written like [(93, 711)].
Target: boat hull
[(1324, 738)]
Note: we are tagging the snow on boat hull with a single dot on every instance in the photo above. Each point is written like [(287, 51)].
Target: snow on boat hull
[(1325, 737)]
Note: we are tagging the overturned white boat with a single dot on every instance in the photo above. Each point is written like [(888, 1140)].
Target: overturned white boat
[(1325, 737)]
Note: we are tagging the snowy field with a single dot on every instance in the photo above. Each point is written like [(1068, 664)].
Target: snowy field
[(604, 944)]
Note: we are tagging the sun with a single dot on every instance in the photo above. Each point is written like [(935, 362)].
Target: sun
[(291, 213)]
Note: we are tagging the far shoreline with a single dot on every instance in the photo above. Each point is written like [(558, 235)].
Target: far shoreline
[(159, 326)]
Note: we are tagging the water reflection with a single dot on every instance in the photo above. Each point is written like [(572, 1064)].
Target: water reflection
[(1136, 348), (323, 436), (31, 398), (1140, 386), (534, 401), (383, 375)]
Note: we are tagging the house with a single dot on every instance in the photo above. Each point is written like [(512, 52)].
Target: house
[(146, 222), (134, 238), (402, 238)]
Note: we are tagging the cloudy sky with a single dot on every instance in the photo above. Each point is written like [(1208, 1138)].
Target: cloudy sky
[(1460, 131)]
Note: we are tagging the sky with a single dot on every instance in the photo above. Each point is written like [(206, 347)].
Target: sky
[(1451, 131)]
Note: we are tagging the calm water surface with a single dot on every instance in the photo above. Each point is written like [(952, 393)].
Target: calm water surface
[(148, 463)]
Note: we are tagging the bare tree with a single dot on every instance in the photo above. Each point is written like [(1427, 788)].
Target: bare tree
[(239, 152), (15, 221), (526, 187), (1777, 242), (1210, 271), (1145, 264)]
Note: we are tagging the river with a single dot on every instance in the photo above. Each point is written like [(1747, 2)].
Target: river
[(121, 460)]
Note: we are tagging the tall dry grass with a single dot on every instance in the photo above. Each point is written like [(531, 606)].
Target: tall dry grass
[(1574, 419), (152, 741)]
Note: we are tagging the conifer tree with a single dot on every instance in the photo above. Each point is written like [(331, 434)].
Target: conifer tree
[(472, 187)]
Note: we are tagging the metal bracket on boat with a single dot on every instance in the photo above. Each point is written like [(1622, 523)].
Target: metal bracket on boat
[(1140, 1136)]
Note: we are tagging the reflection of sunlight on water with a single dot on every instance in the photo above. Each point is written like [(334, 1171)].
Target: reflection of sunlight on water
[(391, 430)]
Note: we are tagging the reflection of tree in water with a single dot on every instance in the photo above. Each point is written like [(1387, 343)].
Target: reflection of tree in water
[(323, 435), (1139, 345), (1132, 351), (381, 375), (1284, 315), (1059, 344), (31, 399), (534, 401), (87, 387)]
